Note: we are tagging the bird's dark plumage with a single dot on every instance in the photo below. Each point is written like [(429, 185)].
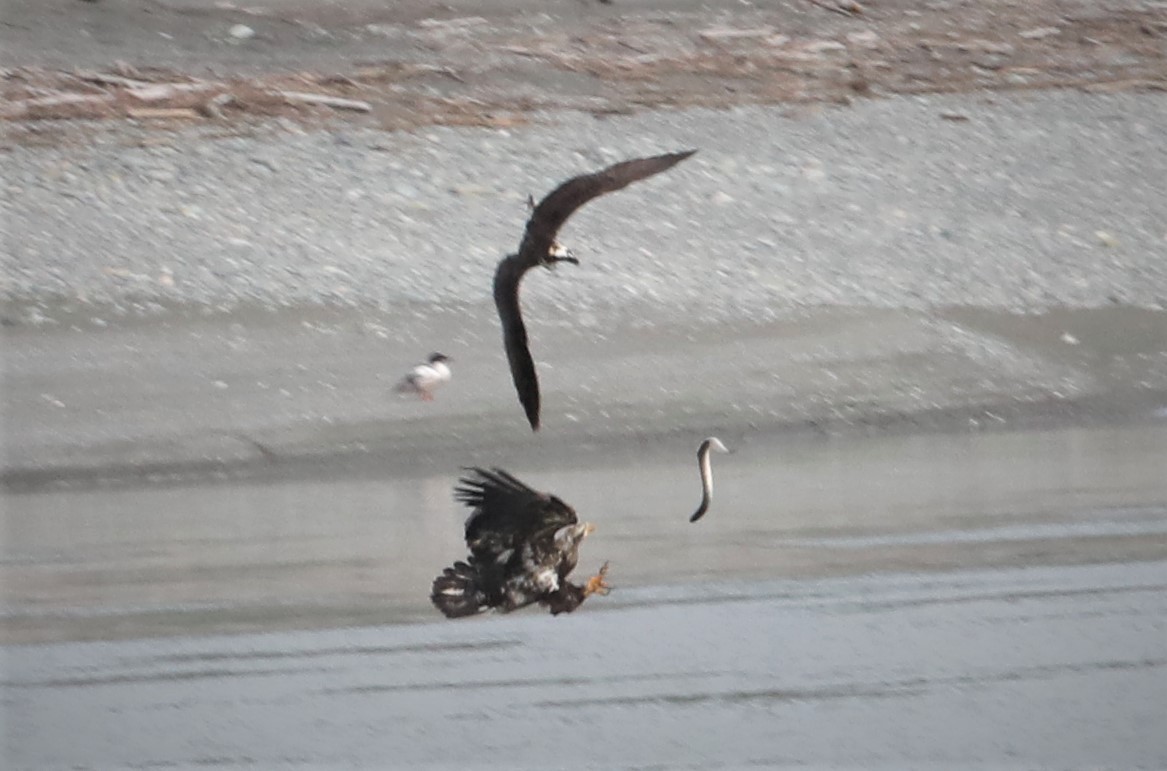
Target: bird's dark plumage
[(523, 545), (546, 220)]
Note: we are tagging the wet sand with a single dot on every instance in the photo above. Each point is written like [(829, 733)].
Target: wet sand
[(94, 398), (321, 550), (1051, 667), (941, 538), (938, 598)]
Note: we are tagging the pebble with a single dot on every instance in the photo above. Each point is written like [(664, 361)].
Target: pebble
[(241, 32), (161, 174), (824, 46), (850, 206), (406, 190), (866, 38), (1106, 239), (1040, 33)]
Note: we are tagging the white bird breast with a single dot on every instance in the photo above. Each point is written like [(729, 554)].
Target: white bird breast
[(429, 374)]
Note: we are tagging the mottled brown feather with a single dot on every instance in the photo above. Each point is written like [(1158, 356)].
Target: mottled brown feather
[(506, 511)]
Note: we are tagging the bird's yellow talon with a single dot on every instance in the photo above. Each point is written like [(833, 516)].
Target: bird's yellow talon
[(596, 584)]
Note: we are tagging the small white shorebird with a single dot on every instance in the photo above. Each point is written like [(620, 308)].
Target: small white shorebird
[(425, 377), (706, 469)]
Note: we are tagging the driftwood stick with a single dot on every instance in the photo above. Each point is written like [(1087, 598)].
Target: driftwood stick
[(162, 113), (337, 102), (23, 107), (158, 92), (111, 80), (845, 8), (214, 106)]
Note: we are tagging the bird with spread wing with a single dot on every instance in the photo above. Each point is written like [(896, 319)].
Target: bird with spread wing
[(540, 247), (523, 545)]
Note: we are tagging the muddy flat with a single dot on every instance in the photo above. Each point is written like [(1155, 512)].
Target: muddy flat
[(1037, 666), (922, 598), (340, 544)]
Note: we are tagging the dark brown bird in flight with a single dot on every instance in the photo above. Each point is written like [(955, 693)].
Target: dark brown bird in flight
[(539, 247)]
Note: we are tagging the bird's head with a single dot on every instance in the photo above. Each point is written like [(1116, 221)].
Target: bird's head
[(571, 536), (559, 253), (439, 358), (712, 443)]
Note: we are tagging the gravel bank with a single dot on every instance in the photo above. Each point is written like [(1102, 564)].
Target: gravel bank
[(831, 269), (1021, 203)]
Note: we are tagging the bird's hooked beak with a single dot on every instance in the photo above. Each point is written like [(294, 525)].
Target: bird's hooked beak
[(574, 534), (559, 253)]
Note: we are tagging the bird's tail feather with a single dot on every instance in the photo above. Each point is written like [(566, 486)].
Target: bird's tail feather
[(456, 591)]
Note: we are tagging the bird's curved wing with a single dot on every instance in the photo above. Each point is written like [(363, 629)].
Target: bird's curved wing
[(546, 220), (514, 337), (506, 511), (558, 205)]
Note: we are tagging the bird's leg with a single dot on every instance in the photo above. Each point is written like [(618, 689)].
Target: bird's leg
[(426, 396), (596, 584)]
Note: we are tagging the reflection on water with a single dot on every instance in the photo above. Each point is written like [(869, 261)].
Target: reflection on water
[(333, 551)]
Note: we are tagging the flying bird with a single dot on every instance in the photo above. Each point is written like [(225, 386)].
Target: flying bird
[(706, 469), (540, 247), (425, 377), (523, 545)]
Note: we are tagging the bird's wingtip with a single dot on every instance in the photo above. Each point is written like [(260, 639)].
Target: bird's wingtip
[(532, 416), (679, 155)]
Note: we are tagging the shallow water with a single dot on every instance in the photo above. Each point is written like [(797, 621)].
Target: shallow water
[(1050, 666), (341, 549), (979, 598)]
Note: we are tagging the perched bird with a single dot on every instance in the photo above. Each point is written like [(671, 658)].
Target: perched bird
[(523, 545), (425, 377), (539, 247), (706, 469)]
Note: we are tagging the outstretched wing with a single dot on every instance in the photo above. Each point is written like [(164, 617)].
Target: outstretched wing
[(545, 222), (506, 511), (514, 337), (561, 203)]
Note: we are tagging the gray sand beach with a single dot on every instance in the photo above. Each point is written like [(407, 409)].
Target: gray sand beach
[(932, 329)]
